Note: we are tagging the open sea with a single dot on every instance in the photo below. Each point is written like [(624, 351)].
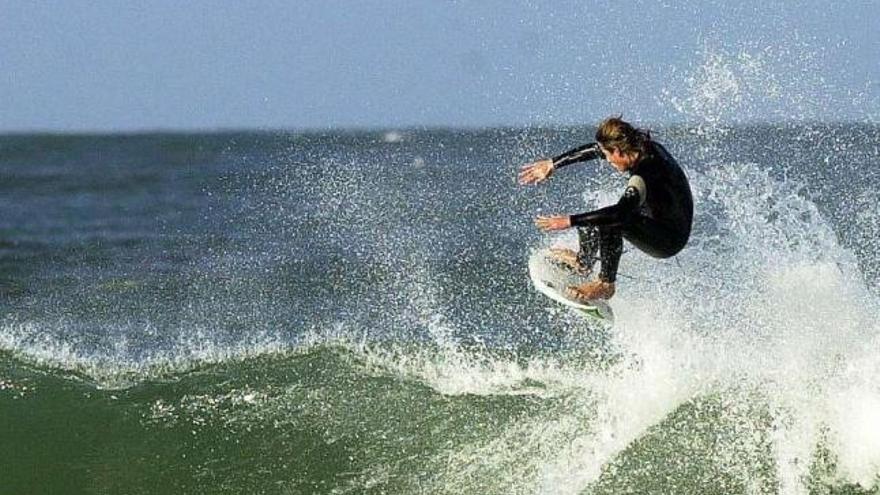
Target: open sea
[(350, 312)]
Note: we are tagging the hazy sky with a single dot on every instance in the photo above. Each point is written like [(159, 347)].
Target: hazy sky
[(117, 65)]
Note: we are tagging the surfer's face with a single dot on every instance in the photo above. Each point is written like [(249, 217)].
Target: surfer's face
[(621, 161)]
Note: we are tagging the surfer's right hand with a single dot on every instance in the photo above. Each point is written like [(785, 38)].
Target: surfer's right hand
[(549, 224), (532, 173)]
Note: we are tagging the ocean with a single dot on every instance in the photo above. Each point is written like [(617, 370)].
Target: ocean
[(350, 312)]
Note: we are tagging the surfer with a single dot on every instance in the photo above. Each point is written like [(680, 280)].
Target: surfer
[(654, 214)]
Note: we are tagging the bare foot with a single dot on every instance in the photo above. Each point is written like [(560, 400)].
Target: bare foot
[(595, 289), (568, 258)]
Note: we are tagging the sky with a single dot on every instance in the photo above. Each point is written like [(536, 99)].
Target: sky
[(325, 64)]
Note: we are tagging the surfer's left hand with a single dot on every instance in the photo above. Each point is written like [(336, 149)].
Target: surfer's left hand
[(535, 172), (549, 224)]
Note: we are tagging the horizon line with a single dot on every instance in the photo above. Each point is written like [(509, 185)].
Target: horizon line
[(355, 129)]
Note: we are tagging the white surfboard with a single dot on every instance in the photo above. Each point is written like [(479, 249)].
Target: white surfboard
[(596, 309), (552, 282)]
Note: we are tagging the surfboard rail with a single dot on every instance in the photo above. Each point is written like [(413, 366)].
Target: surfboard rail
[(595, 309), (551, 281)]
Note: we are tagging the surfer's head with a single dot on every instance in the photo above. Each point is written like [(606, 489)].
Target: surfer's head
[(621, 143)]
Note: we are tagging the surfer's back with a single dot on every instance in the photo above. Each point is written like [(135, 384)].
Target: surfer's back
[(669, 198)]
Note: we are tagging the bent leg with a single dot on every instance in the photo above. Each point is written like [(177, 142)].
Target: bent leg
[(611, 241), (589, 240)]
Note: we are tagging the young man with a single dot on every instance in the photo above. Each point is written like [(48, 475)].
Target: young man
[(654, 214)]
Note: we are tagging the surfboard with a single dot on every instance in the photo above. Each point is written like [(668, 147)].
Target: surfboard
[(552, 281), (595, 309)]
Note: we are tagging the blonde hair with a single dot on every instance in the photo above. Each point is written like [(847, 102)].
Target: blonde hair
[(616, 134)]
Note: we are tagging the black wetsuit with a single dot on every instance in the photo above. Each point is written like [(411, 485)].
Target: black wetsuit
[(654, 214)]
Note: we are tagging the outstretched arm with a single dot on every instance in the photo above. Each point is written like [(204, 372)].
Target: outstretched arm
[(580, 154), (539, 171), (614, 215), (618, 214)]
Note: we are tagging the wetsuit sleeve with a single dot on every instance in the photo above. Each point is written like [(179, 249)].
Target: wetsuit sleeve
[(581, 154), (619, 214)]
